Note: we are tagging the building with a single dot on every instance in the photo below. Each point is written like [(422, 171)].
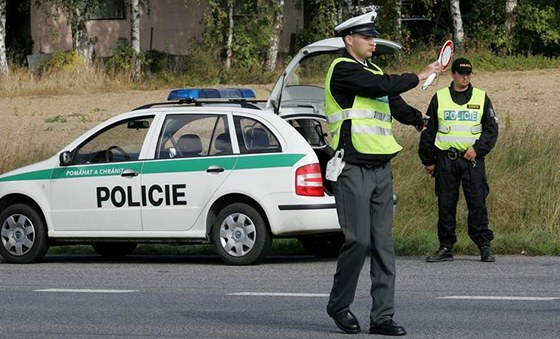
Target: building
[(168, 26)]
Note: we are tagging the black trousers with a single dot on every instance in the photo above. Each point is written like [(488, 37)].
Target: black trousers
[(450, 175)]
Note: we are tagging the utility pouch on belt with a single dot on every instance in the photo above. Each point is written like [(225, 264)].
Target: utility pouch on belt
[(335, 166)]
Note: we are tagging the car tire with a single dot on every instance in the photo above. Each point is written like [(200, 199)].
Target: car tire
[(323, 246), (114, 250), (241, 235), (23, 233)]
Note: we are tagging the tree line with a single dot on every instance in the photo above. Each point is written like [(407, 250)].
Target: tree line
[(504, 27)]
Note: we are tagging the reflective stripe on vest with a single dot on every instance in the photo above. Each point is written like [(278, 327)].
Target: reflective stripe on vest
[(358, 114), (459, 126), (371, 119)]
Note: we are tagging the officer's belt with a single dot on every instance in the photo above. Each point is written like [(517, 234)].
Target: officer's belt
[(452, 153)]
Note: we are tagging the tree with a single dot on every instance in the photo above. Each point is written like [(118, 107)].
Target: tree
[(277, 12), (135, 38), (510, 17), (76, 12), (229, 44), (458, 33), (398, 24), (3, 59)]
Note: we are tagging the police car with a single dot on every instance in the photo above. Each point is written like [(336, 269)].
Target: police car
[(208, 165)]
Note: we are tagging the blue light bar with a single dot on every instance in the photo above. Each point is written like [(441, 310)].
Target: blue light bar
[(191, 94)]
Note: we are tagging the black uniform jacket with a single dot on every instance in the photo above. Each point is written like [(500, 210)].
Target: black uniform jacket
[(427, 149), (350, 79)]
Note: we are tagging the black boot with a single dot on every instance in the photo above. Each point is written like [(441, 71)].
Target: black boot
[(486, 254), (442, 254)]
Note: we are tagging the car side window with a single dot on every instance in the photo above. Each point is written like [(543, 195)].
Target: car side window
[(254, 137), (193, 135), (119, 142)]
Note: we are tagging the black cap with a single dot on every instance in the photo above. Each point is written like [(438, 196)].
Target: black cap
[(461, 66)]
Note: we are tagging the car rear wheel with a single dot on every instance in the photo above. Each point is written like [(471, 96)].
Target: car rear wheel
[(241, 235), (23, 233), (114, 249)]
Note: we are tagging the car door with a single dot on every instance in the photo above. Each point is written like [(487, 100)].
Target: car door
[(193, 157), (100, 190)]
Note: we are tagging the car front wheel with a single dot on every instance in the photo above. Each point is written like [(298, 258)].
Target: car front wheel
[(23, 233), (241, 235)]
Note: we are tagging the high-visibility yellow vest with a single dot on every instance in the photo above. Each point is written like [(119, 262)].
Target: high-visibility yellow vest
[(371, 119), (459, 126)]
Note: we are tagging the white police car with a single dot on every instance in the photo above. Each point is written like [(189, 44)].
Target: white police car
[(198, 168)]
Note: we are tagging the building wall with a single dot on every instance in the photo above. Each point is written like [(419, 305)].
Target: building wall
[(168, 25)]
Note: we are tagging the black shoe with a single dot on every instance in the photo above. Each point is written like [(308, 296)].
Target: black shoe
[(486, 254), (347, 322), (388, 327), (443, 254)]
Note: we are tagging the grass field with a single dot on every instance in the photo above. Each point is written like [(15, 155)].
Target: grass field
[(41, 117)]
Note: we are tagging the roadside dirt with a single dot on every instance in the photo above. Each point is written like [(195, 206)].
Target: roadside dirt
[(529, 98)]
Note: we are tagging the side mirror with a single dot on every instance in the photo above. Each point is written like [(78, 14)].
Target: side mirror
[(172, 152), (65, 158)]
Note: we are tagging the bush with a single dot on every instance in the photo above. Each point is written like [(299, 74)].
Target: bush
[(124, 58), (159, 62), (64, 62)]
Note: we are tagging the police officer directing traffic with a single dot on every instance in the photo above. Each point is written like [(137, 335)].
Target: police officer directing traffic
[(360, 103), (462, 129)]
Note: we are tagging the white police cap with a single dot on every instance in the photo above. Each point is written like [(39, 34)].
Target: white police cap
[(362, 24)]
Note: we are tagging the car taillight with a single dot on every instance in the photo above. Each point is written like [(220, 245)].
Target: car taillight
[(309, 180)]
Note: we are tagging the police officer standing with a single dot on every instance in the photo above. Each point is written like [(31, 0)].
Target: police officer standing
[(462, 129), (360, 103)]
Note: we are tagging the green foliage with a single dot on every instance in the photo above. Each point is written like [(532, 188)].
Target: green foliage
[(124, 57), (58, 118), (202, 64), (252, 30), (324, 19), (64, 61), (538, 29), (159, 62)]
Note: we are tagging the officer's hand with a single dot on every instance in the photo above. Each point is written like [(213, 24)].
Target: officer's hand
[(470, 154), (434, 67), (424, 125), (431, 169)]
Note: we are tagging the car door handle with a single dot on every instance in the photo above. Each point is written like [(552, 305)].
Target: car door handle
[(129, 173), (215, 169)]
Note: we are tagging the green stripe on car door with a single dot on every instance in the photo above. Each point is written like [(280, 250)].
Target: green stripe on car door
[(253, 161)]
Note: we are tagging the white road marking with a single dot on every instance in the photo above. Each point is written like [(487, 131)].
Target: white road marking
[(456, 297), (268, 294), (480, 297), (72, 290)]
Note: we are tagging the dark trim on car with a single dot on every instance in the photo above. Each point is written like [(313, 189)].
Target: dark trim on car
[(305, 207)]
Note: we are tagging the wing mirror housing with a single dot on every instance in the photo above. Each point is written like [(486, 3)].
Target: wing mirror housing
[(65, 158)]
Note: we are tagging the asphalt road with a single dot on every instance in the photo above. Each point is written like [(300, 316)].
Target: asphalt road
[(285, 297)]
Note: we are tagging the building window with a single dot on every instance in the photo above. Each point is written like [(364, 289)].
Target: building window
[(109, 10)]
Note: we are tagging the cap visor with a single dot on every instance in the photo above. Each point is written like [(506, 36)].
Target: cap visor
[(368, 32)]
